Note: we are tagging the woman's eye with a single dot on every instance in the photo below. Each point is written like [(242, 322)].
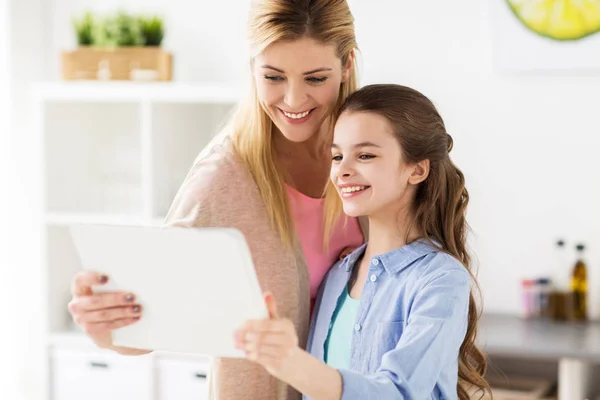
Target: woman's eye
[(336, 158), (316, 80), (366, 156), (273, 78)]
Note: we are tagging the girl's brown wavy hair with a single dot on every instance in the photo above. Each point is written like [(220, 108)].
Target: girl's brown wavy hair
[(441, 200)]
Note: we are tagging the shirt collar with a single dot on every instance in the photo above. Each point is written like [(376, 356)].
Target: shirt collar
[(396, 260)]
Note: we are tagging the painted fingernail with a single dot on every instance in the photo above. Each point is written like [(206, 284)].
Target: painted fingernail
[(103, 278), (136, 309), (129, 298)]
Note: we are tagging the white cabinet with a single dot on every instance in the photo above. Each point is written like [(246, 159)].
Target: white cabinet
[(181, 379), (114, 153), (82, 375)]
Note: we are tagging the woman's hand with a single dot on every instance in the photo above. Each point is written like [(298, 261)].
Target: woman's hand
[(273, 342), (101, 313)]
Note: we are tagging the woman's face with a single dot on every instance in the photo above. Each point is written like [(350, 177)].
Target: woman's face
[(298, 84)]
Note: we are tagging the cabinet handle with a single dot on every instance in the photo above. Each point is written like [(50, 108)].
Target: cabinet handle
[(200, 375), (98, 364)]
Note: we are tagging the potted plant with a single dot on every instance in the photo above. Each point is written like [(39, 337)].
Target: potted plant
[(119, 46)]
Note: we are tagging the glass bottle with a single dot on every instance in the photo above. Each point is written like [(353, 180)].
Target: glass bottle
[(579, 285)]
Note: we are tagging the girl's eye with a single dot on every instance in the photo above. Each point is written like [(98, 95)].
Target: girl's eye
[(273, 78), (366, 156), (336, 158), (316, 80)]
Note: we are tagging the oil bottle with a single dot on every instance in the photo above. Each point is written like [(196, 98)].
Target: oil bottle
[(579, 285)]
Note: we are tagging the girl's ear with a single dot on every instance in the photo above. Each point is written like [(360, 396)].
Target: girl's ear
[(348, 68), (420, 172)]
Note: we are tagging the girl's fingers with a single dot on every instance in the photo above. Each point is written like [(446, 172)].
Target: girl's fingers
[(269, 339), (273, 352), (271, 305), (273, 339), (269, 325), (251, 341)]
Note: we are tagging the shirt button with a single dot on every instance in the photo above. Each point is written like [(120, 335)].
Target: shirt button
[(373, 278), (375, 261), (357, 327)]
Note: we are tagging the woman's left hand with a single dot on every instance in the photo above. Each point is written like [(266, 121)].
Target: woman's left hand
[(270, 342)]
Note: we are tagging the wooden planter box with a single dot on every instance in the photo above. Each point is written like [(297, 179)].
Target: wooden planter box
[(121, 63)]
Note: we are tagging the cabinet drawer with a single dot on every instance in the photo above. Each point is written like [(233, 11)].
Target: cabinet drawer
[(182, 379), (83, 375)]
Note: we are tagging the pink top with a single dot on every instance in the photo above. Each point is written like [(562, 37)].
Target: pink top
[(308, 217)]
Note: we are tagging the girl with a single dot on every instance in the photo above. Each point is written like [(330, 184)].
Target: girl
[(266, 178), (395, 319)]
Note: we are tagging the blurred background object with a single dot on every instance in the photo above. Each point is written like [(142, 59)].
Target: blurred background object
[(516, 81), (119, 46)]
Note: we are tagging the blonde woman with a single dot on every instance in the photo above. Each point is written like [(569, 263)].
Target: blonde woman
[(265, 177)]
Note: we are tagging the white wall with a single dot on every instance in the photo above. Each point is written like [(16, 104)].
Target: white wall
[(26, 50), (8, 388), (527, 144)]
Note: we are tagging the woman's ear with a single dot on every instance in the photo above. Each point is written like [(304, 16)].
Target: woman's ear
[(419, 173), (348, 69)]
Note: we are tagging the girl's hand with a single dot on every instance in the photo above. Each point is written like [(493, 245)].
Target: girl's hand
[(270, 342)]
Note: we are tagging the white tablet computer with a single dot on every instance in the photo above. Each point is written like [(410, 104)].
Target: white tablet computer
[(196, 285)]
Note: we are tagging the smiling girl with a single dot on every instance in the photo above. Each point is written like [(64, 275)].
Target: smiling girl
[(396, 318)]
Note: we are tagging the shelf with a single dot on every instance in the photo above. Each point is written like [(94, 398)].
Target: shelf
[(76, 339), (70, 339), (116, 91), (178, 135), (113, 153), (92, 158)]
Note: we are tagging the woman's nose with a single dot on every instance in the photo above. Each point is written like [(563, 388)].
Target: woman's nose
[(295, 97)]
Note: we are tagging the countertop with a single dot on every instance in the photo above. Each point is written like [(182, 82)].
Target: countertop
[(508, 335)]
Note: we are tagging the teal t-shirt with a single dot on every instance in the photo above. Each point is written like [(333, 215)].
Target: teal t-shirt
[(339, 339)]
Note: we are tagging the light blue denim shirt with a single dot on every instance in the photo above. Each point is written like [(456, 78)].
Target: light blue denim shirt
[(412, 320)]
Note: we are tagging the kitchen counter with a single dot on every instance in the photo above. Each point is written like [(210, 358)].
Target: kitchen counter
[(513, 336), (574, 345)]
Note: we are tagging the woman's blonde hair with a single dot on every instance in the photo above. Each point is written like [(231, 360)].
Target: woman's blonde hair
[(326, 21)]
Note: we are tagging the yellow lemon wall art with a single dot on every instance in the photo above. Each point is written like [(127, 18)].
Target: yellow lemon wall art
[(563, 20)]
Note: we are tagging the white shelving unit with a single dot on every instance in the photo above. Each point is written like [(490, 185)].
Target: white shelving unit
[(115, 153)]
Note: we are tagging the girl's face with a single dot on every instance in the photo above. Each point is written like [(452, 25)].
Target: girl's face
[(368, 170), (298, 84)]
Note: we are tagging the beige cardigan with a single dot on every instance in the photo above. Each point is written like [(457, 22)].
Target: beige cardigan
[(219, 191)]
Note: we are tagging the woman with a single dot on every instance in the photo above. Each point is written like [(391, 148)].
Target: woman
[(265, 178)]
